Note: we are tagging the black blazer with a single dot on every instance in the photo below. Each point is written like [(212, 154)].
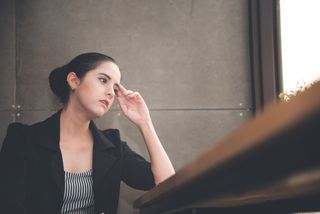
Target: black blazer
[(32, 175)]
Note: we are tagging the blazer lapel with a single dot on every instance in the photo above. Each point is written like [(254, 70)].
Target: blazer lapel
[(57, 171), (48, 136), (103, 156)]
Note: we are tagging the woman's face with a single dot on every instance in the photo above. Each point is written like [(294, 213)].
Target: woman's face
[(96, 91)]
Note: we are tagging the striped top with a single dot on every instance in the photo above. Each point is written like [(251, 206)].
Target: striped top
[(78, 194)]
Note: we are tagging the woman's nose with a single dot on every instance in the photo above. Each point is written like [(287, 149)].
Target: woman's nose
[(110, 93)]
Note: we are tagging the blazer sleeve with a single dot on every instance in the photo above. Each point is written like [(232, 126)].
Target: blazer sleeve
[(136, 171), (13, 168)]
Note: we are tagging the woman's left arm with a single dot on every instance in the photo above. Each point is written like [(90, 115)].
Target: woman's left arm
[(135, 109)]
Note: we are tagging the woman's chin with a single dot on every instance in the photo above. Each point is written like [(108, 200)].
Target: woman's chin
[(98, 113)]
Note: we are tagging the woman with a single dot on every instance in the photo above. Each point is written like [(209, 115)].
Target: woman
[(65, 164)]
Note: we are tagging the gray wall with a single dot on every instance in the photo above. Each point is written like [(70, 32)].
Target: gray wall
[(7, 64), (188, 58)]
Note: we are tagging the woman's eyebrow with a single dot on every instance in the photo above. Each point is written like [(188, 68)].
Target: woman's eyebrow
[(106, 75)]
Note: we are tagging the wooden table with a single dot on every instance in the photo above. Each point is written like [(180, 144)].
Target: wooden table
[(269, 165)]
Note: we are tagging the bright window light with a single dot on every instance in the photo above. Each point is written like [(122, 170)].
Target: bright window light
[(300, 42)]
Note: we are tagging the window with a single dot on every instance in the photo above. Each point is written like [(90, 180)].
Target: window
[(300, 43)]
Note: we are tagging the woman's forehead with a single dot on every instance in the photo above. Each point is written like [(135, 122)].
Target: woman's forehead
[(110, 69)]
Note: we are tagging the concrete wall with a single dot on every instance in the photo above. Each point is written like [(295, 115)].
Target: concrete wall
[(188, 58), (7, 64)]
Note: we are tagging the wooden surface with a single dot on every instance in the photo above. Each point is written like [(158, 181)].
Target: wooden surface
[(272, 158)]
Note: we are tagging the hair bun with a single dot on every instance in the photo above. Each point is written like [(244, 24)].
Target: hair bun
[(58, 82)]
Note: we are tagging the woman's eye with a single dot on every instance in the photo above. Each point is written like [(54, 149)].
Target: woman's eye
[(103, 80)]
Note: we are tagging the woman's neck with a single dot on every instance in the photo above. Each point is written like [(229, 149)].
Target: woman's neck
[(73, 123)]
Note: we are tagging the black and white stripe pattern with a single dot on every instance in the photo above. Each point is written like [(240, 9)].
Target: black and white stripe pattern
[(78, 194)]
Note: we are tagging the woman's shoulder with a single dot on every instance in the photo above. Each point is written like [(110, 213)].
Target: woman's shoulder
[(16, 133), (17, 128), (112, 134), (21, 128), (37, 126)]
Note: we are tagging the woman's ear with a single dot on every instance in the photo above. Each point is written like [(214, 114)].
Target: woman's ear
[(73, 80)]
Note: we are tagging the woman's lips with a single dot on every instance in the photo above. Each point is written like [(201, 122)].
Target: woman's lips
[(105, 103)]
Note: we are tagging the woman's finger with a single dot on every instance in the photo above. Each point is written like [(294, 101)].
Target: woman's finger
[(132, 95), (128, 92), (121, 90)]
